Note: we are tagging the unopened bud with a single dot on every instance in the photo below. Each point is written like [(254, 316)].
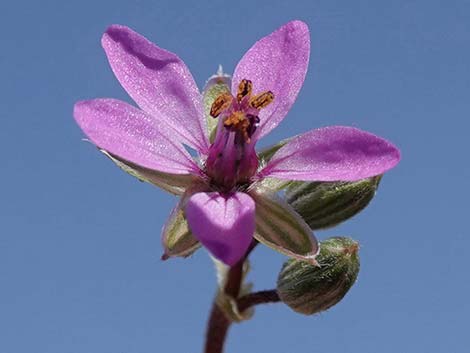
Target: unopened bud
[(309, 289), (326, 204)]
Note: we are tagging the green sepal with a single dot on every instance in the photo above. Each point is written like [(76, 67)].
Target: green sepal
[(267, 153), (271, 185), (215, 86), (177, 239), (173, 183), (311, 289), (264, 156), (326, 204), (282, 229)]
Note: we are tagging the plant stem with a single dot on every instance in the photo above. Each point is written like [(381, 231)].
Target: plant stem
[(218, 324), (261, 297), (217, 329)]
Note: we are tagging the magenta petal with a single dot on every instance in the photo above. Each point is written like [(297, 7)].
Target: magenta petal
[(277, 63), (159, 82), (133, 135), (332, 153), (224, 224)]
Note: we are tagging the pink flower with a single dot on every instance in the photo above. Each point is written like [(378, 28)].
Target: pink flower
[(225, 200)]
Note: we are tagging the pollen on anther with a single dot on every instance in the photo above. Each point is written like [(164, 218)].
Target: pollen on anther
[(238, 121), (221, 103), (244, 89), (262, 100)]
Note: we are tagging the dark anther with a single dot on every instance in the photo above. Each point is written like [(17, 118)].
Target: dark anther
[(262, 100), (244, 89), (254, 123)]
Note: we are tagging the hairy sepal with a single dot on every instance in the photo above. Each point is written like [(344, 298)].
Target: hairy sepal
[(175, 184), (271, 184), (282, 229), (177, 239)]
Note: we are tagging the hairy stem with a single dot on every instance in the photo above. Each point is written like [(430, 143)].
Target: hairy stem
[(216, 331), (261, 297), (218, 324)]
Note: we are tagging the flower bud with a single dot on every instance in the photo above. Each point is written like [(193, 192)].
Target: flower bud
[(326, 204), (309, 289)]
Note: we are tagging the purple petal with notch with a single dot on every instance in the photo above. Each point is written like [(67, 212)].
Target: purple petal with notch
[(224, 224)]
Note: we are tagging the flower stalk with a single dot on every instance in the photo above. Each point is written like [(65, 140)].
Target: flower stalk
[(219, 323)]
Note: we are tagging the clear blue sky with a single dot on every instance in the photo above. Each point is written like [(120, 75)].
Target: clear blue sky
[(80, 240)]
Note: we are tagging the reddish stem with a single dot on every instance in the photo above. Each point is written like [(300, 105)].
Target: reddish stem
[(218, 324)]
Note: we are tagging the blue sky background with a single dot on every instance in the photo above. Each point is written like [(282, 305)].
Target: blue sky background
[(80, 240)]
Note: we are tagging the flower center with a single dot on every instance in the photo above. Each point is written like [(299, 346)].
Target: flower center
[(232, 158), (241, 114)]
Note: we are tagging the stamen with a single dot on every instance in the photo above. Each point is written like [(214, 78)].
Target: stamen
[(239, 122), (221, 103), (254, 123), (262, 100), (244, 89)]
